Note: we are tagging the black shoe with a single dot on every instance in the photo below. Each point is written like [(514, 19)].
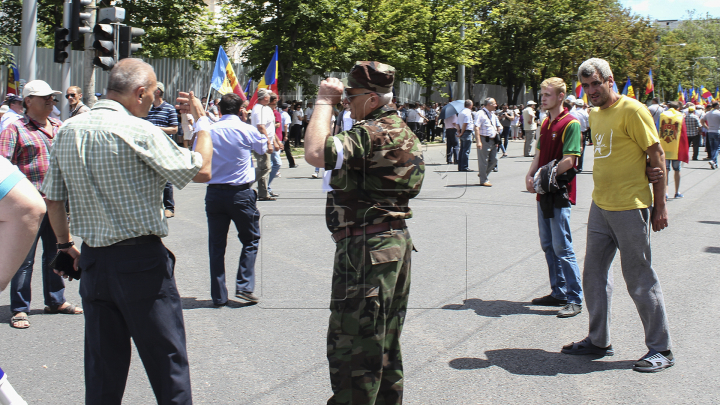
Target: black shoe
[(586, 347), (274, 194), (495, 170), (466, 170), (294, 166), (267, 199), (569, 310), (549, 301), (247, 296), (220, 305)]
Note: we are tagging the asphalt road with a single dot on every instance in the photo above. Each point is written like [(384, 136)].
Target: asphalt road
[(470, 336)]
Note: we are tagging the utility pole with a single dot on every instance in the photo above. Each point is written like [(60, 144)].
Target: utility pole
[(88, 56), (29, 40), (461, 72), (64, 105)]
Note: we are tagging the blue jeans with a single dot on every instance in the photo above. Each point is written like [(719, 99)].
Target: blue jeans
[(713, 141), (276, 164), (53, 285), (221, 207), (505, 139), (465, 144), (168, 200), (556, 242)]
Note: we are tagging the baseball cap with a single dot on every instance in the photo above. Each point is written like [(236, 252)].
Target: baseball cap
[(571, 98), (4, 109), (579, 102), (39, 88), (531, 102), (691, 108), (12, 98), (161, 87), (371, 75)]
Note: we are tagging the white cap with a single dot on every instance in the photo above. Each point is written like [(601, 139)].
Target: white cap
[(4, 109), (570, 98), (579, 102), (39, 88), (531, 102)]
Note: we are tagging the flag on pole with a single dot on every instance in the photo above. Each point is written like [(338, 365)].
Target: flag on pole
[(705, 93), (649, 88), (224, 79), (269, 79), (693, 96), (578, 90), (13, 80), (628, 90), (247, 88), (717, 93), (681, 94)]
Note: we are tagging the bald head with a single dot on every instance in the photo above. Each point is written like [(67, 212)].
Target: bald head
[(130, 74), (132, 83)]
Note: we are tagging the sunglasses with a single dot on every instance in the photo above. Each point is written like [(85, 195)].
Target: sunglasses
[(48, 97), (70, 95), (349, 96)]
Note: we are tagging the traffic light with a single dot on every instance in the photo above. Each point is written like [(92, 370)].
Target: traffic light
[(78, 18), (61, 44), (105, 45), (127, 48)]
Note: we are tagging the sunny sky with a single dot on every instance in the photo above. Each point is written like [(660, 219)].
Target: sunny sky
[(672, 9)]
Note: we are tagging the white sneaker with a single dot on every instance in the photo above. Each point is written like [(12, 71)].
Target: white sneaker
[(314, 176)]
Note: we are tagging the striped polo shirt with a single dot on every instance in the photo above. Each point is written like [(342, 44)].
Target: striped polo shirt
[(163, 115)]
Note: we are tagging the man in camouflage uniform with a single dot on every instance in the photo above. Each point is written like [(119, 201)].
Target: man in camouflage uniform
[(373, 170)]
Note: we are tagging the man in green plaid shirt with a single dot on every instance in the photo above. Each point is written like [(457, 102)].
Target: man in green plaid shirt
[(112, 166)]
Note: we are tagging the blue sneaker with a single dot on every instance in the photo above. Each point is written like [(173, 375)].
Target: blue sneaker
[(678, 195)]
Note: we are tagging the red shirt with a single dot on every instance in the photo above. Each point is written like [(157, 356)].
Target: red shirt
[(551, 143), (26, 144), (278, 130)]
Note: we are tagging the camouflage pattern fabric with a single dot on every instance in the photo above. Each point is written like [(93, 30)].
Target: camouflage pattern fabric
[(371, 284), (370, 75), (382, 169)]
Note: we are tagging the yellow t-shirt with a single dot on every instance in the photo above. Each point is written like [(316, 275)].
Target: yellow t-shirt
[(621, 134)]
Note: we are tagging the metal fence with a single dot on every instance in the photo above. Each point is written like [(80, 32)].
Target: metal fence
[(182, 74)]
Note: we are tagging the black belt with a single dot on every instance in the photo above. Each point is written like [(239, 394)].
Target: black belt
[(140, 240), (238, 187), (367, 230)]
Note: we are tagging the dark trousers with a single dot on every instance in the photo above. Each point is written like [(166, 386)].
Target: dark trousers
[(452, 145), (585, 136), (296, 134), (465, 144), (415, 127), (695, 143), (168, 200), (288, 153), (430, 127), (129, 292), (504, 136), (221, 207), (53, 285)]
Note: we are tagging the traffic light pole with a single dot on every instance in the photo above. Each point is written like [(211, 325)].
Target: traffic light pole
[(29, 40), (66, 66)]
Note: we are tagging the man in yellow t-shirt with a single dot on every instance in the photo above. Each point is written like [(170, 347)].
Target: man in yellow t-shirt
[(623, 210)]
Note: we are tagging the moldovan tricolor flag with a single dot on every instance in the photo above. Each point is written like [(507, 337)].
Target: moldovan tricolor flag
[(578, 89), (693, 96), (224, 79), (649, 88), (628, 91), (681, 94), (717, 93), (705, 93), (13, 80), (673, 135), (269, 79)]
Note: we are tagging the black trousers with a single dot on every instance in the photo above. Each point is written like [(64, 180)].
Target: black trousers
[(296, 134), (695, 143), (452, 146), (288, 153), (430, 127), (583, 139), (129, 292)]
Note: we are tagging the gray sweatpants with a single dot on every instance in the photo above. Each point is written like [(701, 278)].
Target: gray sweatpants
[(529, 138), (629, 232)]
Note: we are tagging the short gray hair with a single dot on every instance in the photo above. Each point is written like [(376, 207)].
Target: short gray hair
[(468, 103), (487, 100), (129, 74), (595, 65), (263, 93)]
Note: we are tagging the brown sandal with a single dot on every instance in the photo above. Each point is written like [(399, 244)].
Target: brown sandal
[(19, 318)]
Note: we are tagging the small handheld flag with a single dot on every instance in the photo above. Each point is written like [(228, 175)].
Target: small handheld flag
[(13, 80), (649, 88), (681, 94), (578, 89), (705, 93)]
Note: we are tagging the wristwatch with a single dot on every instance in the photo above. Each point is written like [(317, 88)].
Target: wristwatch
[(65, 245)]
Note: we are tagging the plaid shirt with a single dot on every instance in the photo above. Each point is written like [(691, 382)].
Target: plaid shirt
[(431, 114), (693, 125), (26, 144), (113, 167)]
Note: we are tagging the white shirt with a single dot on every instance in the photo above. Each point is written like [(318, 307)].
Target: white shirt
[(308, 113), (263, 115), (285, 120), (465, 117), (582, 116), (297, 116), (8, 118), (415, 115), (529, 123), (487, 123), (712, 118), (347, 121)]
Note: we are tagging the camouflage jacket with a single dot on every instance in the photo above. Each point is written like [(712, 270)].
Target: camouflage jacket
[(382, 168)]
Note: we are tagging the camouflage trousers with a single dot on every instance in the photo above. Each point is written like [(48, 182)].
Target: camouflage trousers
[(371, 284)]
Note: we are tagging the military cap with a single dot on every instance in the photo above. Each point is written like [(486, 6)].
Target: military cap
[(370, 75)]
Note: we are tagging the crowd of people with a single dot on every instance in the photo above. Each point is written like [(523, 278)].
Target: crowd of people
[(108, 173)]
